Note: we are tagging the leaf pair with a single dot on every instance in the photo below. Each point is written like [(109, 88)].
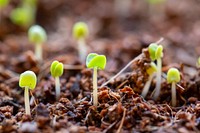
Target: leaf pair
[(94, 60), (155, 51), (56, 69)]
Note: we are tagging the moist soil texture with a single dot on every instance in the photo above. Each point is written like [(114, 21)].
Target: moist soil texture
[(122, 31)]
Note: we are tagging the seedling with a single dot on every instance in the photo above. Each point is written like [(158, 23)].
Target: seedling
[(24, 15), (80, 32), (156, 53), (198, 63), (173, 77), (27, 81), (56, 71), (151, 71), (4, 3), (37, 35), (96, 62)]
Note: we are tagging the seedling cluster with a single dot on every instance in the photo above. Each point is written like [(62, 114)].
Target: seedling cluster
[(95, 62), (38, 36)]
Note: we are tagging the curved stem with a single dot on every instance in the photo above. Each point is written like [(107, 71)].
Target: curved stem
[(57, 85), (95, 95), (147, 85), (38, 51), (26, 100), (158, 78), (173, 94), (82, 49)]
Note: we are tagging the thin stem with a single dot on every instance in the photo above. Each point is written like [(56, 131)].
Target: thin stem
[(38, 51), (26, 100), (57, 85), (173, 94), (158, 78), (82, 49), (95, 95), (147, 85)]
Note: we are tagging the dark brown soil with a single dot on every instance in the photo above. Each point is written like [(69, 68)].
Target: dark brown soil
[(121, 37)]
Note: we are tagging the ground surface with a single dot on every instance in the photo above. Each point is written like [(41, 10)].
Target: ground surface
[(121, 37)]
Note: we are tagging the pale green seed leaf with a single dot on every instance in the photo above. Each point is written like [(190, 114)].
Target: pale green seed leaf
[(159, 52), (56, 69), (152, 51), (152, 68), (37, 34), (80, 30), (28, 79), (94, 60), (3, 3), (173, 75), (23, 16)]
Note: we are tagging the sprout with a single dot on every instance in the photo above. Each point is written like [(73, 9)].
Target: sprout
[(96, 62), (28, 81), (151, 71), (4, 3), (80, 32), (37, 35), (56, 71), (23, 16), (156, 53), (173, 76), (198, 63)]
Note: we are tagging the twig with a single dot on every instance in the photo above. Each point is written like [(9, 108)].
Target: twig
[(122, 121), (160, 40), (165, 77), (86, 118), (122, 70), (111, 125), (123, 83), (33, 98)]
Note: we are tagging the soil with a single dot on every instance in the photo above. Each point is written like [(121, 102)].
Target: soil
[(121, 34)]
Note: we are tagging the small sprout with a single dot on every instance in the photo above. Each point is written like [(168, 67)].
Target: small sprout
[(96, 62), (173, 77), (198, 63), (80, 32), (27, 81), (4, 3), (156, 53), (22, 16), (57, 71), (37, 35), (151, 71)]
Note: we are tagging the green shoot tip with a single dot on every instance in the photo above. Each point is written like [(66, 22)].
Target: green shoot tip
[(56, 69)]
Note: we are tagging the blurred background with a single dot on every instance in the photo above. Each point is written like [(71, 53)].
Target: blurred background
[(118, 28)]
